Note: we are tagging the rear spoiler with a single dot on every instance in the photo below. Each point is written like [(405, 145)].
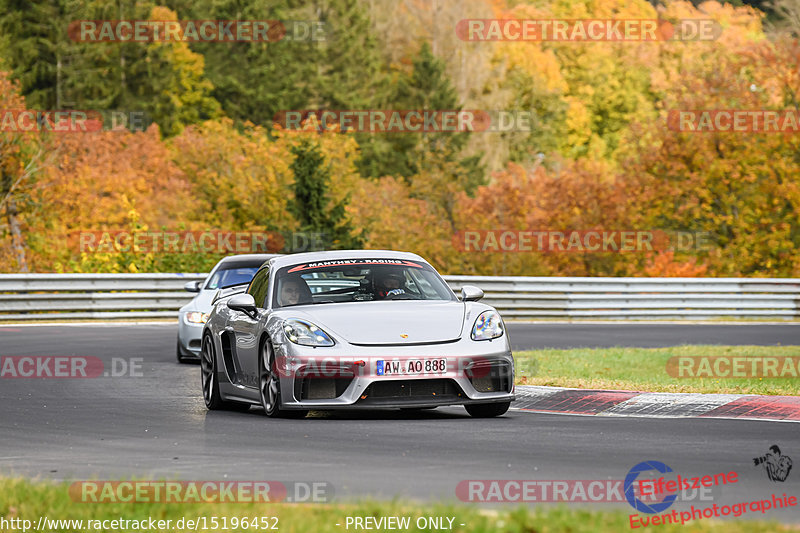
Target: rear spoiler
[(227, 292)]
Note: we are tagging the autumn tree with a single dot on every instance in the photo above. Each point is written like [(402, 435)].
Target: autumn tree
[(739, 186), (22, 158), (111, 181), (182, 94), (388, 217)]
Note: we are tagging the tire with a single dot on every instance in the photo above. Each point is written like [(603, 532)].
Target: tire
[(487, 410), (210, 383), (270, 385)]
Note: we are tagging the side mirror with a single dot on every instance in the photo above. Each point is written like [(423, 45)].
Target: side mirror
[(193, 286), (471, 293), (244, 303)]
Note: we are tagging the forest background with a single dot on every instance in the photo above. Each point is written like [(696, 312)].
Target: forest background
[(600, 154)]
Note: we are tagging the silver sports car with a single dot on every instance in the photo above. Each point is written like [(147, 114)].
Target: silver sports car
[(356, 329), (231, 270)]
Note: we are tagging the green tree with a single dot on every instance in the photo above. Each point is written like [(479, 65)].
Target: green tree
[(426, 87), (305, 69), (58, 71), (255, 80), (36, 47), (111, 75), (312, 206), (351, 70)]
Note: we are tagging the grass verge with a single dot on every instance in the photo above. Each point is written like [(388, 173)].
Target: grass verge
[(28, 500), (644, 369)]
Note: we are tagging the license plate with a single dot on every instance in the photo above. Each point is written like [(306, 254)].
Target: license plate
[(411, 367)]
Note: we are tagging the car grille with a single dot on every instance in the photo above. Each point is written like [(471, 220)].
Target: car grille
[(413, 390)]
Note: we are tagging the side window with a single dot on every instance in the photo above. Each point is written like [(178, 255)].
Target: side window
[(258, 287)]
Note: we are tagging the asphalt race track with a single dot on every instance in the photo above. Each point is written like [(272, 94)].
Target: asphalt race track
[(155, 426)]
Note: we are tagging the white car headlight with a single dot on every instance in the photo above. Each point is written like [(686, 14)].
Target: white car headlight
[(305, 333), (196, 317), (487, 326)]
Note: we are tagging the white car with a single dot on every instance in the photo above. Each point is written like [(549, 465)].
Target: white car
[(230, 271)]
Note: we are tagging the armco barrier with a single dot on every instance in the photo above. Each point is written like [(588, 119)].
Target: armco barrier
[(92, 296), (638, 298), (110, 296)]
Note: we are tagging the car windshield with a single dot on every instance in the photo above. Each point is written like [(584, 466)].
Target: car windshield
[(227, 277), (358, 280)]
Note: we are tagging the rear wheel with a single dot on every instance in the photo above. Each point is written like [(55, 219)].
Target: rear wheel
[(487, 410), (209, 381), (270, 386)]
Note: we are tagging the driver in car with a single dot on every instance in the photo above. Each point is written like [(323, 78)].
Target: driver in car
[(388, 284), (290, 292)]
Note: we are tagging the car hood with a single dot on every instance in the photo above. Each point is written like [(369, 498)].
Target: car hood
[(201, 302), (388, 323)]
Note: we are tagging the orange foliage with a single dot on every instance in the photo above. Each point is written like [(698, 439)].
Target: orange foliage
[(582, 196), (617, 165), (391, 219), (664, 265), (22, 155), (110, 180)]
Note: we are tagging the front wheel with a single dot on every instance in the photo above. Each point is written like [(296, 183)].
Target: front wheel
[(487, 410), (270, 386)]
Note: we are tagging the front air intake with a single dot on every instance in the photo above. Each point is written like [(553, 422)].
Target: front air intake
[(494, 376)]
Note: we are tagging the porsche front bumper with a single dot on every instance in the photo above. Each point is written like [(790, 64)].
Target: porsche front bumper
[(349, 376)]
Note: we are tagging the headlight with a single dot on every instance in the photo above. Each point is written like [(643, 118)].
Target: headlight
[(488, 325), (196, 317), (305, 333)]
